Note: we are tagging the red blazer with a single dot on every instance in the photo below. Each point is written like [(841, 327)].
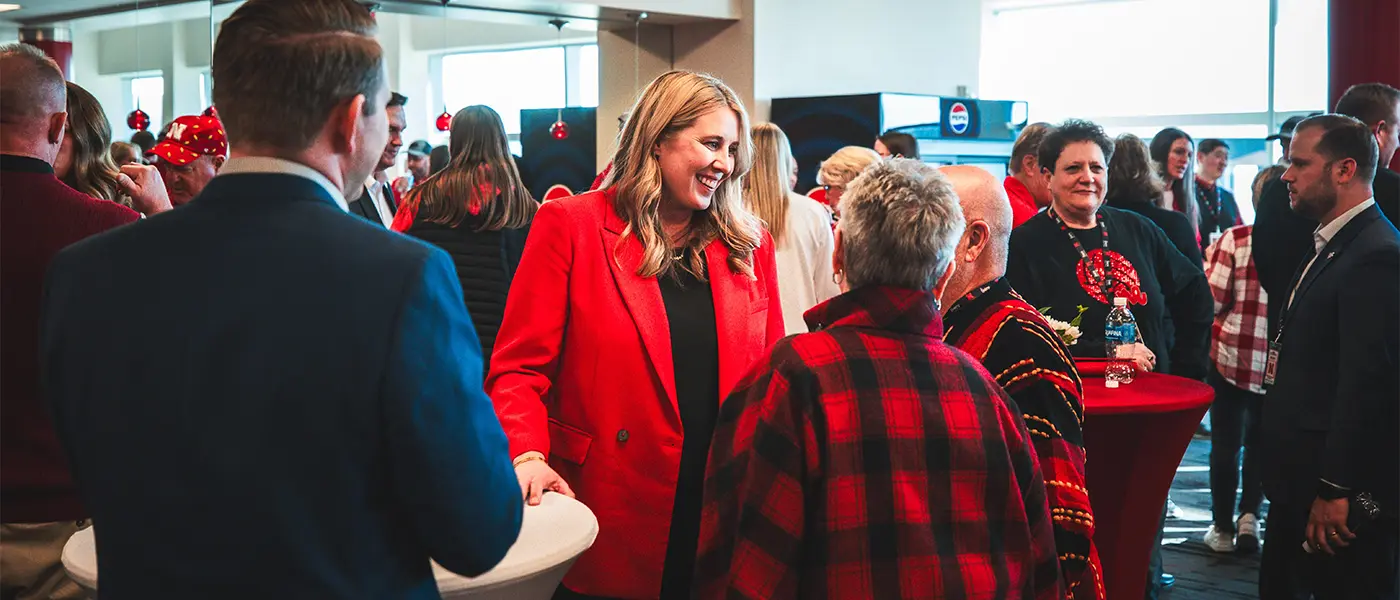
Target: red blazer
[(582, 372)]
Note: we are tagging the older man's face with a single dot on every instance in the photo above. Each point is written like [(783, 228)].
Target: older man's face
[(184, 182)]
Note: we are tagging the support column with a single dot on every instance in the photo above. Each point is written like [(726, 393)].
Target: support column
[(57, 42)]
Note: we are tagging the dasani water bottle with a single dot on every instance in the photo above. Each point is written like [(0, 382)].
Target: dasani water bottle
[(1120, 336)]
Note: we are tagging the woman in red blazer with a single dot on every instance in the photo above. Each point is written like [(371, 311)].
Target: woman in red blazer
[(634, 311)]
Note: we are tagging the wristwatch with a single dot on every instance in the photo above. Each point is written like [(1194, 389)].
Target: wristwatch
[(1330, 491)]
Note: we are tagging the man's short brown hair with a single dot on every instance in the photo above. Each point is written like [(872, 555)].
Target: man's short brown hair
[(1027, 144), (281, 67), (1343, 137), (1369, 103)]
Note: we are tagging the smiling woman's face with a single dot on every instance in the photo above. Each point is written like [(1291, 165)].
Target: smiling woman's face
[(697, 159), (1080, 181)]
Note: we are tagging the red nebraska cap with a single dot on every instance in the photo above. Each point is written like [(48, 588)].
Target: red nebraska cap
[(191, 137)]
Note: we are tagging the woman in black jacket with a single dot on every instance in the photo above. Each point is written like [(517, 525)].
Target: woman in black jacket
[(1133, 185), (478, 211)]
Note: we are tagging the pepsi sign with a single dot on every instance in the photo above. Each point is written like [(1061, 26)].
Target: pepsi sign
[(959, 118)]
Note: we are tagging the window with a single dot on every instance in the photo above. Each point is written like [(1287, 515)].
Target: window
[(587, 74), (148, 94), (555, 76), (206, 90), (1301, 56), (1162, 57)]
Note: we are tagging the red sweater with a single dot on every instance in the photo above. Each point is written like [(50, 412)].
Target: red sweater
[(1023, 205), (39, 216)]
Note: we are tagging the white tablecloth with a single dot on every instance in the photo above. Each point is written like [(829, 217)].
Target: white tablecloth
[(553, 535)]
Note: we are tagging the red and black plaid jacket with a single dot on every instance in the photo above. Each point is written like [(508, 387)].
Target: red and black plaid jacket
[(1015, 343), (871, 460)]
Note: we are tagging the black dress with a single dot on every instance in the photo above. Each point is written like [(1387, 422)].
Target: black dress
[(690, 311)]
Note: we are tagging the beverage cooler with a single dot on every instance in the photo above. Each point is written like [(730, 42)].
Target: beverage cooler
[(949, 130)]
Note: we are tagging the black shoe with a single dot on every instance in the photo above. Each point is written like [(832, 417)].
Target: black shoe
[(1168, 580)]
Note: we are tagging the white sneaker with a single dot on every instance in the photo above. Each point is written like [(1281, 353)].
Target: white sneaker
[(1219, 541), (1248, 528)]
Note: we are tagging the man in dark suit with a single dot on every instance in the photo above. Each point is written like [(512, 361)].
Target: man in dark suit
[(288, 403), (1281, 236), (1329, 427), (378, 202)]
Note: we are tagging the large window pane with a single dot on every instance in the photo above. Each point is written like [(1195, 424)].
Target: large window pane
[(587, 75), (506, 81), (1106, 59), (148, 94), (1300, 68)]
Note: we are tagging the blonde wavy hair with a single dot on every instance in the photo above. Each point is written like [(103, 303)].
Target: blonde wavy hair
[(845, 165), (670, 104), (766, 188)]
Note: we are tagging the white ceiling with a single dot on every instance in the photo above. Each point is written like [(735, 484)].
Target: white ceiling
[(41, 9)]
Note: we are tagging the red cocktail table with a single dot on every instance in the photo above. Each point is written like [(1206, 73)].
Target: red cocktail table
[(1134, 438)]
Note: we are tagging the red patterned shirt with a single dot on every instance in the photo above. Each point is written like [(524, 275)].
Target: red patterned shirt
[(1016, 344), (1239, 338), (871, 460)]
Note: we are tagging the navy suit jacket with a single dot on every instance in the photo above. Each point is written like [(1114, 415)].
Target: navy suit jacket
[(1332, 410), (263, 396)]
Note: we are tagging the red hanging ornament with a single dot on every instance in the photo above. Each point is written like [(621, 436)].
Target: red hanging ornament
[(560, 130), (138, 120), (444, 120)]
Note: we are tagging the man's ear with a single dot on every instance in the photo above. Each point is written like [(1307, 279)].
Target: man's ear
[(1344, 171), (218, 162), (979, 236), (348, 122), (57, 123)]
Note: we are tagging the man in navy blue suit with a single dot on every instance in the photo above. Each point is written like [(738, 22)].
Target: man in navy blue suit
[(261, 395), (1328, 436)]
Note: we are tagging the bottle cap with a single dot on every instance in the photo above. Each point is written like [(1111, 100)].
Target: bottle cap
[(1110, 384), (1120, 301)]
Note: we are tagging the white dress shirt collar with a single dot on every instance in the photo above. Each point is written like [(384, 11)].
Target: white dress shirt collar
[(268, 164), (1325, 233)]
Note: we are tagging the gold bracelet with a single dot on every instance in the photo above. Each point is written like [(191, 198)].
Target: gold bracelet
[(524, 459)]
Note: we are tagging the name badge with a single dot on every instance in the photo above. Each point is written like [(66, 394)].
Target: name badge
[(1271, 368)]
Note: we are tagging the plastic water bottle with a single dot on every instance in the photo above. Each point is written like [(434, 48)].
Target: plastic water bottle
[(1120, 335)]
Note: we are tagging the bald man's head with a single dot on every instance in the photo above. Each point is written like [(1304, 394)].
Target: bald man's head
[(983, 197), (981, 253), (32, 102)]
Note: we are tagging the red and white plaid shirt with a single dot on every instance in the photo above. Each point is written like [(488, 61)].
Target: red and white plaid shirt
[(1240, 336)]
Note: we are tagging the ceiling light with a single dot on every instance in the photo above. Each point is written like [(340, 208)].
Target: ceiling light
[(9, 7)]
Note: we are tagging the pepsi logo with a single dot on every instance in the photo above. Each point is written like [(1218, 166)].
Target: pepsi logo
[(958, 118)]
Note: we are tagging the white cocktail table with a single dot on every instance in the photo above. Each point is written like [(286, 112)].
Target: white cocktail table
[(552, 536)]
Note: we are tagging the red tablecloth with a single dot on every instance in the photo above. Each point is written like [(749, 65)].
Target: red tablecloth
[(1134, 437)]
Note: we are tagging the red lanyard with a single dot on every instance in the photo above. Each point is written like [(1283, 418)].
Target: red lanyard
[(1106, 279)]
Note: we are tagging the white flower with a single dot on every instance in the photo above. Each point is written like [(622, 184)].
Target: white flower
[(1069, 333)]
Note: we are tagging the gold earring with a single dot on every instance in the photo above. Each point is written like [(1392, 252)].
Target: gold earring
[(837, 277)]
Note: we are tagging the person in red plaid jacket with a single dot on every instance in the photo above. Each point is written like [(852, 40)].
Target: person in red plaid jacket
[(1239, 349), (869, 459), (990, 321)]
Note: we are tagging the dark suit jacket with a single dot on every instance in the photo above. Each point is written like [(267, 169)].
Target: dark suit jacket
[(1282, 237), (288, 402), (364, 205), (1332, 411)]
